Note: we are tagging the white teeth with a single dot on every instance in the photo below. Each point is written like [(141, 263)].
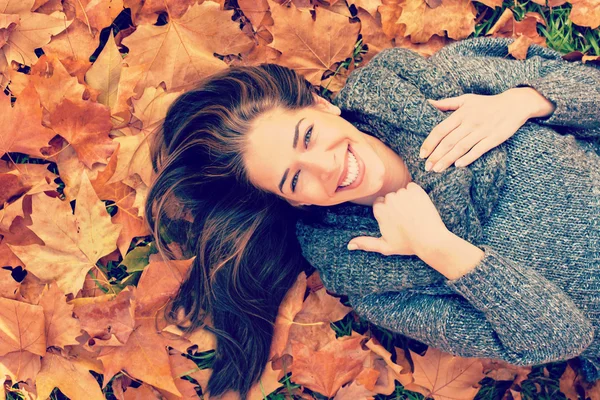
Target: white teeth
[(352, 170)]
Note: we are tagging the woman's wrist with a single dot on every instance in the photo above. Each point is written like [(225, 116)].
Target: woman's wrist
[(533, 102), (452, 256)]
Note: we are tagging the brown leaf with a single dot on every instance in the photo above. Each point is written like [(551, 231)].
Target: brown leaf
[(97, 14), (25, 133), (327, 369), (22, 327), (73, 243), (289, 307), (457, 18), (107, 84), (34, 30), (447, 376), (69, 375), (312, 47), (181, 52), (85, 125), (107, 316), (61, 327), (144, 357)]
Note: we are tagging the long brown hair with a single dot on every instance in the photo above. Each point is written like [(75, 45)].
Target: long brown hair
[(243, 238)]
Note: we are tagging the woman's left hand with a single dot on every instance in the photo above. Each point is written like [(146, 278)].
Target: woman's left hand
[(479, 124)]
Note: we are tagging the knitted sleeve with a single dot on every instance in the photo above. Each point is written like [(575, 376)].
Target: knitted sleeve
[(482, 65), (359, 272), (499, 310)]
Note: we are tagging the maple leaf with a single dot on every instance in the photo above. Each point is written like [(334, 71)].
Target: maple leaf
[(107, 316), (105, 74), (289, 307), (73, 243), (457, 18), (33, 30), (327, 369), (70, 375), (23, 130), (22, 327), (18, 182), (85, 125), (61, 327), (74, 54), (181, 52), (53, 82), (96, 14), (312, 47), (144, 356), (447, 376)]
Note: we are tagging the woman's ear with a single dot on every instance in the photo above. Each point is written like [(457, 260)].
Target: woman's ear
[(325, 105)]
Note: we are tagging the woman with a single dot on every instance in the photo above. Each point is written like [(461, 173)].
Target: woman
[(498, 258)]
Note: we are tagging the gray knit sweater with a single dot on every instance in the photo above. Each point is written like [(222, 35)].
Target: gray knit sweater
[(531, 204)]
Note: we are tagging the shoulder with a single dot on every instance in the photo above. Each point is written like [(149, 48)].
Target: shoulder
[(488, 46)]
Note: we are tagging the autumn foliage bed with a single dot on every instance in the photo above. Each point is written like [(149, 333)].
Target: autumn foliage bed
[(81, 285)]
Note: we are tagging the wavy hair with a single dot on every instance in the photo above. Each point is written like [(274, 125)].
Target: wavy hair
[(243, 238)]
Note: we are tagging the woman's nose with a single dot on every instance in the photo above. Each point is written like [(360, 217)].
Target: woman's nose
[(323, 164)]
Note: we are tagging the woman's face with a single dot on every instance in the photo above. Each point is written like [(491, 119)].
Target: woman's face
[(309, 169)]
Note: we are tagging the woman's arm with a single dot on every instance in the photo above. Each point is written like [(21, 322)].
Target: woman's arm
[(503, 310), (480, 65)]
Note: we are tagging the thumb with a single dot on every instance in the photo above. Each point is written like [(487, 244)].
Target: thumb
[(368, 243), (449, 103)]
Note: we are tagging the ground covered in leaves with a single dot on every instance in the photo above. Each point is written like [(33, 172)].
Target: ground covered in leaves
[(81, 285)]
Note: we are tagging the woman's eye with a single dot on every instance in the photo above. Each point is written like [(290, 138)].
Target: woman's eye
[(307, 137), (295, 181)]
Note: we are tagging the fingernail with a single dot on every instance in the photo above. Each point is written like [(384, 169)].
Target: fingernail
[(459, 164), (352, 246), (438, 167), (428, 165), (422, 153)]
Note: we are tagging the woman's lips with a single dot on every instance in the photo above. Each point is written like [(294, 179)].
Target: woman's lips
[(361, 171), (345, 169)]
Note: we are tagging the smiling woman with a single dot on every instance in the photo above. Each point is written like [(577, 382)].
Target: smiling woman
[(498, 259), (219, 160), (317, 171)]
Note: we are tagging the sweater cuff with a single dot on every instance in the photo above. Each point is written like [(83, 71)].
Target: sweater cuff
[(573, 107), (485, 286)]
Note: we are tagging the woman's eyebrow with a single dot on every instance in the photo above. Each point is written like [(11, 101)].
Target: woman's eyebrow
[(294, 144)]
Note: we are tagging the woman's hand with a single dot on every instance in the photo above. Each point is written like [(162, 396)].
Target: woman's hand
[(409, 224), (479, 124)]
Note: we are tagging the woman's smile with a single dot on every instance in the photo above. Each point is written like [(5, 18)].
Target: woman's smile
[(354, 170)]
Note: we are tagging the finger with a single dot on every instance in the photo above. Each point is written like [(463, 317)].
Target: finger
[(477, 151), (438, 133), (447, 144), (449, 103), (367, 243), (459, 150)]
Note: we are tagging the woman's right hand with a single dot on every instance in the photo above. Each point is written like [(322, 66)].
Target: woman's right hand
[(409, 224)]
